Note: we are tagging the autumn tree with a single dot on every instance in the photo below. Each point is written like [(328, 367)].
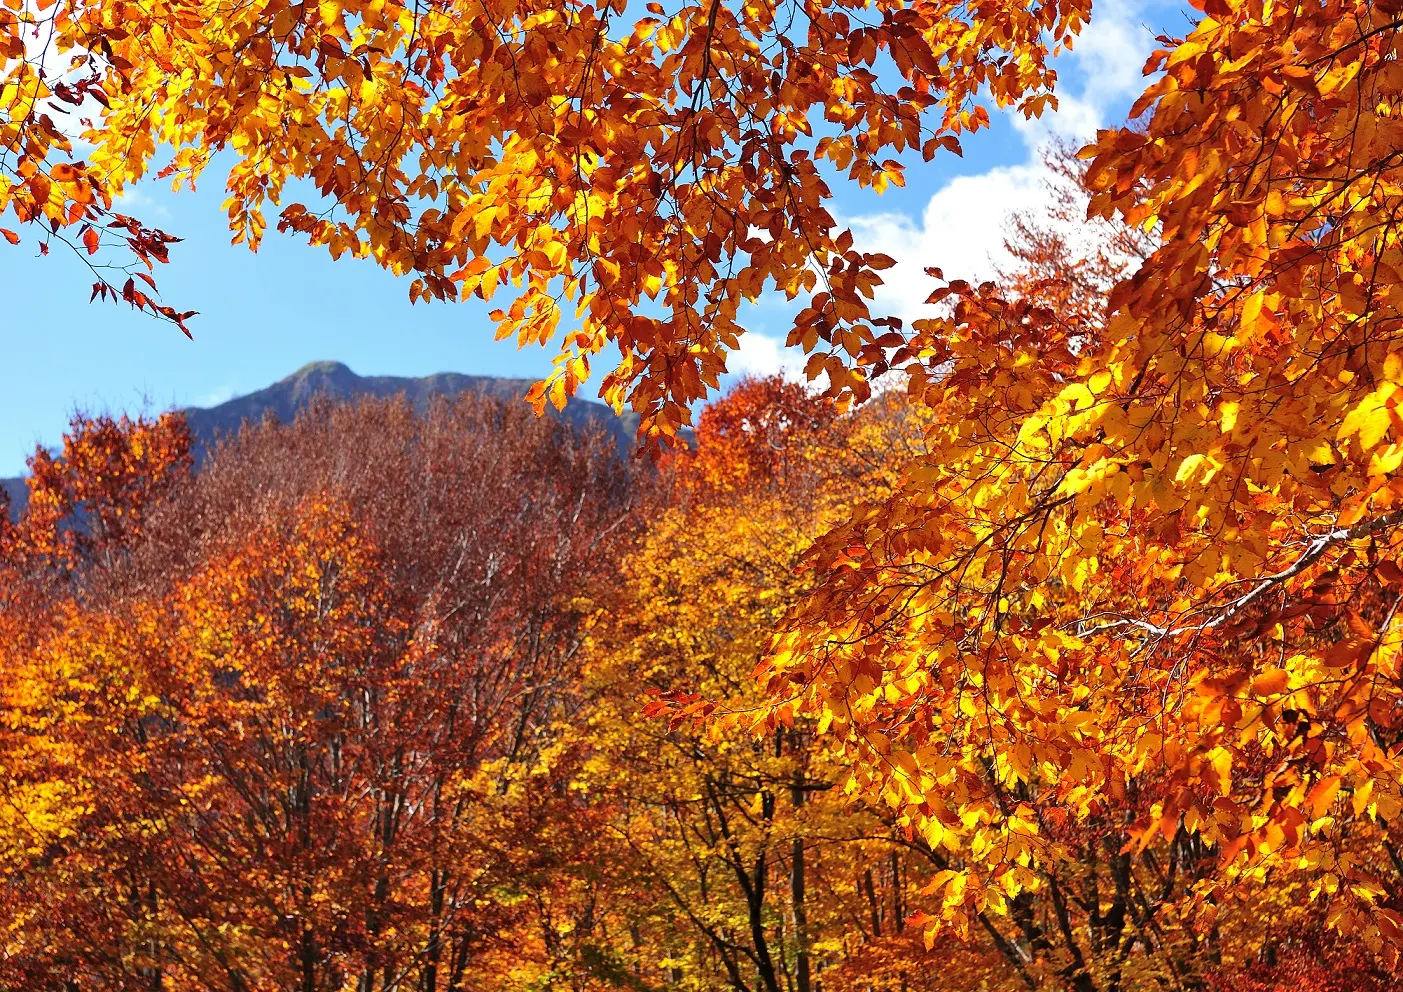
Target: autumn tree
[(659, 167), (1142, 583), (751, 866), (719, 826), (84, 510), (294, 729), (89, 500), (1152, 557)]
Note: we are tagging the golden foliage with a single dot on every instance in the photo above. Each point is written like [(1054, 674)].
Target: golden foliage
[(1116, 643), (649, 172)]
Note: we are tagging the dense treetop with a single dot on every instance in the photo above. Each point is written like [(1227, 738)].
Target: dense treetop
[(1125, 620)]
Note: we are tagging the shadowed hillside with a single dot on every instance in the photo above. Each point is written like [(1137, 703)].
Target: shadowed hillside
[(286, 396)]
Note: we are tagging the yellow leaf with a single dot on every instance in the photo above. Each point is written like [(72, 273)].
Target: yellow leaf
[(1386, 460), (1369, 419), (557, 392), (482, 221)]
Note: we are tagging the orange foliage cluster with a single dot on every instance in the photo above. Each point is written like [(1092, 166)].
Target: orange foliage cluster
[(1096, 623), (281, 734), (370, 703), (92, 496), (649, 169)]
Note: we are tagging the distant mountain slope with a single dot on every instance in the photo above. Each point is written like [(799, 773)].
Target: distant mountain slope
[(14, 488), (285, 397)]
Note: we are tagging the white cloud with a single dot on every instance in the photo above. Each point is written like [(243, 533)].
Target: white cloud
[(962, 228), (1075, 119), (763, 355), (1112, 49), (135, 200)]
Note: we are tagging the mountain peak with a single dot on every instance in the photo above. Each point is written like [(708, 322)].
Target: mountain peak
[(334, 380), (326, 368)]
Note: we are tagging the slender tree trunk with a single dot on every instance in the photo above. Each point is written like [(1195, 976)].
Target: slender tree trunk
[(438, 881), (801, 918), (898, 909), (796, 887), (873, 908), (309, 960)]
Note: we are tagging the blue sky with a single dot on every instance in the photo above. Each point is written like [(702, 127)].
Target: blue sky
[(263, 315)]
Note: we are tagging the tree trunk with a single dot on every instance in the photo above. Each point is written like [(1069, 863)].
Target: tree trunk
[(796, 889)]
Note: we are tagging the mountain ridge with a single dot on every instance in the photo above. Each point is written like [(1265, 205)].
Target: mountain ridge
[(337, 381)]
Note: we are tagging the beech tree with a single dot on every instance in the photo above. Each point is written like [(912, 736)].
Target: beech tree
[(651, 170), (1158, 547), (727, 829)]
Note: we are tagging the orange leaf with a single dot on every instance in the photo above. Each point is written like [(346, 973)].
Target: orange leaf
[(1322, 796), (1271, 682)]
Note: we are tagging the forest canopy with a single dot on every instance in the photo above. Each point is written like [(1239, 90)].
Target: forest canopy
[(372, 702), (1089, 615)]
